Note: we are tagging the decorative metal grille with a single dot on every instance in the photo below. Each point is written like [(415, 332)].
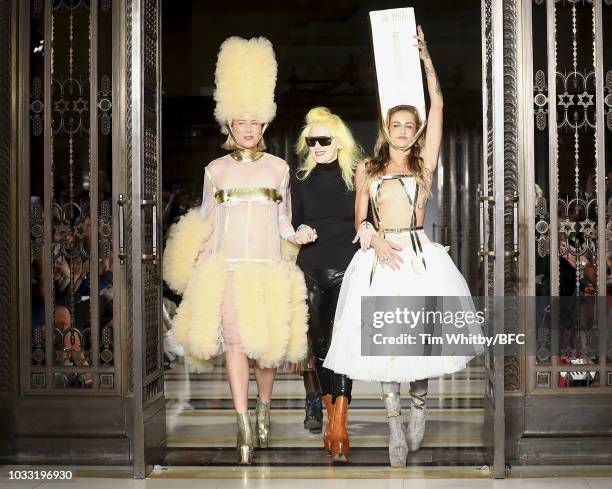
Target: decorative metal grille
[(567, 169), (71, 221)]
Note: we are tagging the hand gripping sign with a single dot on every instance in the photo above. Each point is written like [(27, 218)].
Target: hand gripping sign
[(398, 65)]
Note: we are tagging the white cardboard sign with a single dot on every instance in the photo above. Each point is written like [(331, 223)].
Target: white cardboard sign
[(398, 65)]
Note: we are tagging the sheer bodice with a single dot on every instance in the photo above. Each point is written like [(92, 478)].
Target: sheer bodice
[(393, 199), (247, 203)]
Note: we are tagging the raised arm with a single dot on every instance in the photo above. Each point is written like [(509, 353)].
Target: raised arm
[(433, 136)]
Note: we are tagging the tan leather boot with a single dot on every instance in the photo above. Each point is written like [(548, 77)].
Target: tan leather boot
[(339, 438), (329, 407)]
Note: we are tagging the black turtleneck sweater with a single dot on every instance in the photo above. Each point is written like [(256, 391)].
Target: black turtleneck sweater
[(323, 202)]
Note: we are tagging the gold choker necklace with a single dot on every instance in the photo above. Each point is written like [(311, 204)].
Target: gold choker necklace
[(247, 155)]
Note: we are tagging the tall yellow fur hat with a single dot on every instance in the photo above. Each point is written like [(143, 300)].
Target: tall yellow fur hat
[(245, 79)]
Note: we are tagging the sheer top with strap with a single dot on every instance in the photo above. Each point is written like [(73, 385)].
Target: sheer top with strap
[(398, 205), (247, 203)]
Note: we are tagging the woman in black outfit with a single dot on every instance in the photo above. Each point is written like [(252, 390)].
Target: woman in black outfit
[(323, 208)]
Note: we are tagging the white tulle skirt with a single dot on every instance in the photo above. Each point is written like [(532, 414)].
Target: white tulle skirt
[(440, 278)]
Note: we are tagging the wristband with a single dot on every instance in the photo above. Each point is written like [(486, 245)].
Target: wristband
[(286, 233)]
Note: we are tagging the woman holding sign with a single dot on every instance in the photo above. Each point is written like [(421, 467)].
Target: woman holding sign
[(397, 259)]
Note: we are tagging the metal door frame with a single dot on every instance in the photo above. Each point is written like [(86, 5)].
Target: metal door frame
[(499, 199), (142, 184)]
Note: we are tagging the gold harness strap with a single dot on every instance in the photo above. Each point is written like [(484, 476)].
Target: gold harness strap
[(247, 194), (414, 236)]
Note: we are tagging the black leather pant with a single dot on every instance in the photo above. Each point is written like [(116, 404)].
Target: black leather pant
[(323, 287)]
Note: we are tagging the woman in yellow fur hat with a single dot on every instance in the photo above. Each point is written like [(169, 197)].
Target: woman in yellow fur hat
[(239, 297)]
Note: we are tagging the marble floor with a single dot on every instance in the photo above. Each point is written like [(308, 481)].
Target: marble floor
[(202, 432), (201, 441), (261, 483)]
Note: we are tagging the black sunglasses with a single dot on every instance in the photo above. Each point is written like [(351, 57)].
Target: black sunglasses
[(322, 140)]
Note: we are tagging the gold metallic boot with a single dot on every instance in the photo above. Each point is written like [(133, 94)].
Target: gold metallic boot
[(245, 438), (262, 426)]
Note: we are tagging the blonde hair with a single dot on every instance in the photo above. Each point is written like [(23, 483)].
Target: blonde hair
[(349, 152)]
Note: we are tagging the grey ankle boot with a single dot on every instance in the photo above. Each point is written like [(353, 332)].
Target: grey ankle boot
[(416, 419), (398, 445)]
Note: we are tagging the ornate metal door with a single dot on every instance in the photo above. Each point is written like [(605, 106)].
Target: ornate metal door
[(67, 173), (570, 120), (547, 86), (68, 182), (88, 116), (568, 117)]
